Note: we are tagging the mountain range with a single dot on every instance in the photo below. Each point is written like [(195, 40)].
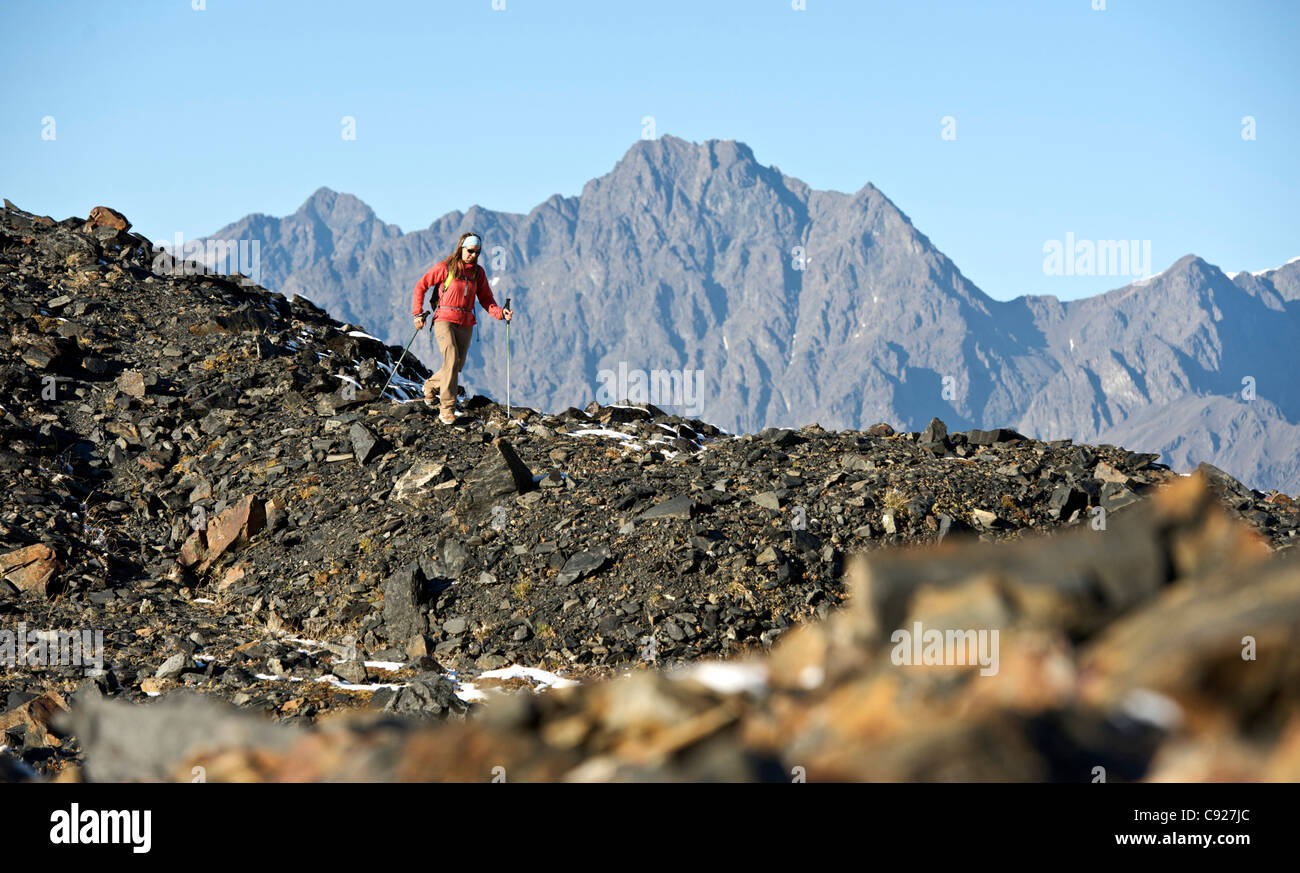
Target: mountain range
[(792, 305)]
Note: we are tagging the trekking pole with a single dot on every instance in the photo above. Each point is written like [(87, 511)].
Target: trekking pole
[(399, 360), (508, 364)]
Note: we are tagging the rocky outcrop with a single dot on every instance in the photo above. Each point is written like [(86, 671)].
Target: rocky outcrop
[(205, 492), (1158, 649)]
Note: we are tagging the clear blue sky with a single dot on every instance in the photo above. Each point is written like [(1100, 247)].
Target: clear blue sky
[(1116, 124)]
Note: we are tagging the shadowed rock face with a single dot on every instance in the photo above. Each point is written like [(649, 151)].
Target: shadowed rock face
[(1119, 649), (798, 305), (205, 493)]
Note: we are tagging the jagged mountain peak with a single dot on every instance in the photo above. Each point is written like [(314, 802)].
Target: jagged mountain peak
[(1190, 274), (670, 161), (334, 207), (1194, 265), (668, 148)]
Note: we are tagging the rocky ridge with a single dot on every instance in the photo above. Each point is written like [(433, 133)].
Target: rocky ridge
[(204, 472), (1160, 650)]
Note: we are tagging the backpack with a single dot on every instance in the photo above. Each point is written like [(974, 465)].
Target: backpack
[(446, 283)]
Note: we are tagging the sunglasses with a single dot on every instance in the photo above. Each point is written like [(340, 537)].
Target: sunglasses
[(471, 251)]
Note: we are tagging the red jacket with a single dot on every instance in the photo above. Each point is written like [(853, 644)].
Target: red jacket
[(455, 303)]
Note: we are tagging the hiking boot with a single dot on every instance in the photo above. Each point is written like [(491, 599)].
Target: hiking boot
[(447, 415)]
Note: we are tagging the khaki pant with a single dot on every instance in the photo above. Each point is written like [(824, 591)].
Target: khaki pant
[(453, 342)]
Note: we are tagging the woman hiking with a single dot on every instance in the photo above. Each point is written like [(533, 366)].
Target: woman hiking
[(460, 279)]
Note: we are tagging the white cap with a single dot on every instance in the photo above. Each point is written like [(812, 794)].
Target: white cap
[(470, 241)]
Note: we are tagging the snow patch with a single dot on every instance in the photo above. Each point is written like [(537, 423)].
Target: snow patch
[(391, 666), (725, 677), (601, 431), (400, 388), (333, 680), (539, 677), (468, 692), (1271, 269), (349, 686), (667, 453), (1142, 704)]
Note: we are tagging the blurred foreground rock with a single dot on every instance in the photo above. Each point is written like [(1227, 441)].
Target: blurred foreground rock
[(1159, 648)]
